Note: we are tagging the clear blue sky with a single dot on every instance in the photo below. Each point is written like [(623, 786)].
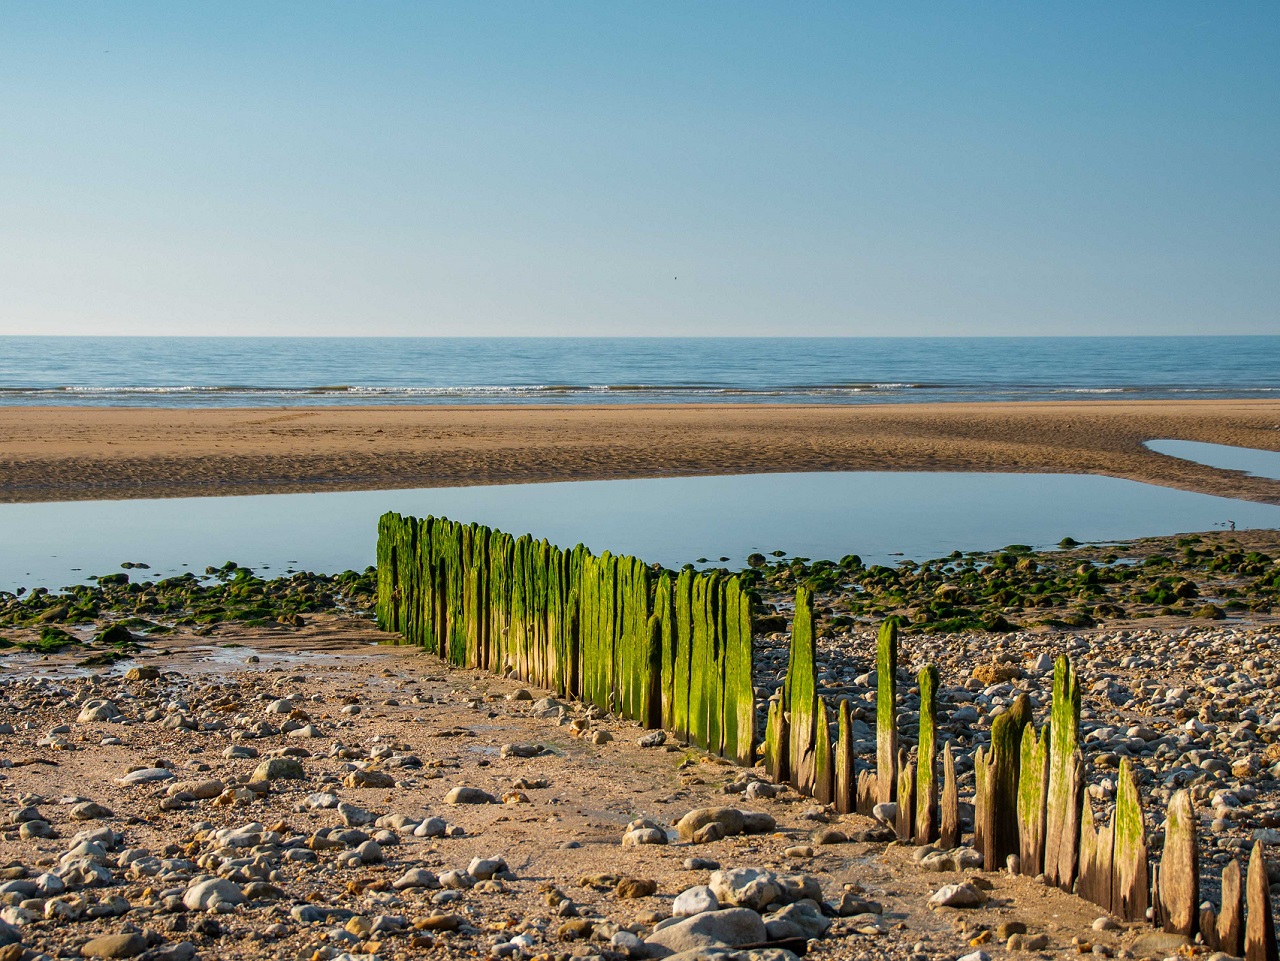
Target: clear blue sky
[(639, 168)]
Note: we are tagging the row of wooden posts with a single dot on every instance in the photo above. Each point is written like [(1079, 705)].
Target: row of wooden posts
[(666, 650), (1031, 812)]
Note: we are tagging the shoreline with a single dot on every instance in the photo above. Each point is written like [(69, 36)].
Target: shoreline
[(96, 453)]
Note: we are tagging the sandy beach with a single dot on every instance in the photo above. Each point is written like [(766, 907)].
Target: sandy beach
[(67, 453)]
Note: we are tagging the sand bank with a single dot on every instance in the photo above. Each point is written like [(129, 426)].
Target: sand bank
[(65, 453)]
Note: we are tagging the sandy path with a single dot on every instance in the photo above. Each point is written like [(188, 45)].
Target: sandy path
[(99, 453)]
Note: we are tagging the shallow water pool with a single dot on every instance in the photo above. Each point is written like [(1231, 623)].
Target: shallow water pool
[(882, 516), (1258, 463)]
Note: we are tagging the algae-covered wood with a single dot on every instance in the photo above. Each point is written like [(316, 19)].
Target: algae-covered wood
[(802, 683), (926, 780), (1033, 787), (1131, 883), (846, 785), (1062, 814), (887, 710)]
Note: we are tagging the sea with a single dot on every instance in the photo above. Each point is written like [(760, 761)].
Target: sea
[(293, 371)]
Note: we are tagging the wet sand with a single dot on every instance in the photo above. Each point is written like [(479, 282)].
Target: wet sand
[(68, 453)]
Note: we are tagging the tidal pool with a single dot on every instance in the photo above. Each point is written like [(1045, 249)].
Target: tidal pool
[(1258, 463), (882, 516)]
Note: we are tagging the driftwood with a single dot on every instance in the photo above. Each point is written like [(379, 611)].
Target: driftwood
[(1033, 789), (1259, 927), (1062, 810), (927, 759), (949, 832), (845, 782), (1179, 892), (887, 710)]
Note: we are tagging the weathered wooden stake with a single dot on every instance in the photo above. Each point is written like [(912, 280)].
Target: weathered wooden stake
[(845, 780), (927, 759), (802, 684), (1094, 863), (1033, 787), (1130, 885), (904, 824), (1231, 912), (1180, 867), (949, 834), (823, 763), (996, 795), (887, 711), (1259, 926), (1062, 814)]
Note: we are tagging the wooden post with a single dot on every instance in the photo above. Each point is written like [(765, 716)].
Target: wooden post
[(887, 711), (1231, 913), (1180, 868), (927, 759), (1096, 868), (996, 795), (868, 792), (949, 834), (777, 740), (1259, 926), (1033, 787), (1062, 814), (845, 783), (1130, 886), (904, 825), (823, 763), (802, 684)]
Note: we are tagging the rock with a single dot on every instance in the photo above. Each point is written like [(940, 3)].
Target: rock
[(279, 769), (520, 750), (375, 779), (431, 828), (803, 919), (731, 820), (1158, 944), (354, 817), (370, 852), (9, 934), (415, 878), (142, 674), (629, 888), (114, 946), (963, 895), (98, 710), (644, 836), (696, 900), (146, 775), (482, 869), (91, 811), (200, 790), (207, 895), (852, 904), (468, 795), (653, 739), (726, 928), (745, 887)]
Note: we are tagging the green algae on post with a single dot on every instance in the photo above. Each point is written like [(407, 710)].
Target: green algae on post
[(1033, 788), (1062, 814), (1179, 894), (802, 683), (887, 710), (927, 758), (845, 779), (823, 773), (1131, 884)]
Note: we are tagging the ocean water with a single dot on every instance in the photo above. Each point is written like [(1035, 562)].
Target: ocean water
[(882, 516), (1256, 463), (234, 372)]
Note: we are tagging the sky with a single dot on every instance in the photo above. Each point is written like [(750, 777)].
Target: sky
[(639, 168)]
